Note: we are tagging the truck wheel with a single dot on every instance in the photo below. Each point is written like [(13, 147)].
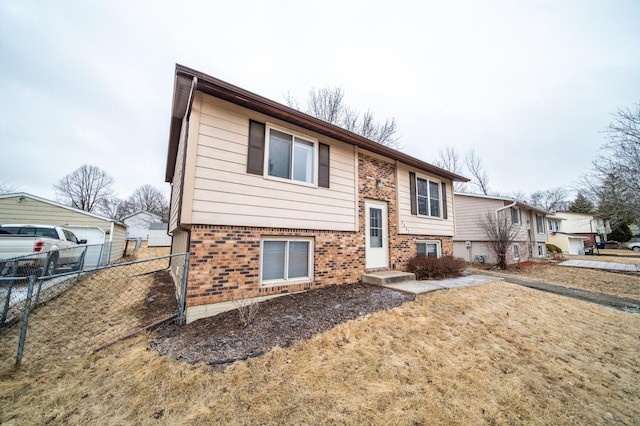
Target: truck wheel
[(636, 248), (50, 267)]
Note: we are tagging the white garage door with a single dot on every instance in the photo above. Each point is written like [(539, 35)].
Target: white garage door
[(95, 244), (576, 246)]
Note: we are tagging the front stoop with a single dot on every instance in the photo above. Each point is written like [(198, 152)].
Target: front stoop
[(388, 277)]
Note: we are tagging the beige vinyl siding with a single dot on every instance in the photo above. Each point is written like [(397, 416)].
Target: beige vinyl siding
[(421, 225), (468, 211), (31, 211), (225, 194), (118, 242)]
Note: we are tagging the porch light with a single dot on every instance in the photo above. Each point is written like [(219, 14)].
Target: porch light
[(379, 184)]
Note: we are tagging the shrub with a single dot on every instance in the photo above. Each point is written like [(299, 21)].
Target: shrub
[(554, 248), (431, 268)]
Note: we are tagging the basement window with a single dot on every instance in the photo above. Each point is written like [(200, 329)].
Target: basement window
[(428, 248), (286, 260)]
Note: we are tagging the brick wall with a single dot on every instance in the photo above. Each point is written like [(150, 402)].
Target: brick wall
[(225, 260)]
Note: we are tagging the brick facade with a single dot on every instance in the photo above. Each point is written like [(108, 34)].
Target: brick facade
[(225, 260)]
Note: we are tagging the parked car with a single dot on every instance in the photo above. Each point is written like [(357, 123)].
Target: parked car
[(635, 246), (18, 244)]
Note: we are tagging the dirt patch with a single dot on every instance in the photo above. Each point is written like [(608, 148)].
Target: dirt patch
[(279, 322), (161, 298)]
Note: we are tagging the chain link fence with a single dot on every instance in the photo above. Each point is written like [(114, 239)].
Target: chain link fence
[(67, 310)]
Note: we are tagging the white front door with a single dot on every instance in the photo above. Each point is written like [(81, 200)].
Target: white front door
[(377, 236)]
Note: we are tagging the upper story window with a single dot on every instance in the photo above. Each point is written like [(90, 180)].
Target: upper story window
[(515, 215), (291, 157), (539, 224), (287, 155), (428, 197)]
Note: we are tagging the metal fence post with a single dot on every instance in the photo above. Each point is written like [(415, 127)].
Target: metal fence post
[(25, 320), (5, 308), (183, 291)]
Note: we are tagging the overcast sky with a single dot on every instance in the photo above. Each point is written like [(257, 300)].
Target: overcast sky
[(528, 84)]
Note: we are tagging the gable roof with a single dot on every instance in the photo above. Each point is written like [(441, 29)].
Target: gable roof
[(54, 203), (188, 79), (501, 198), (141, 212), (158, 226)]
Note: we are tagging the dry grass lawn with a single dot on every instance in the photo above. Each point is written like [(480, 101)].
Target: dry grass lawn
[(490, 354)]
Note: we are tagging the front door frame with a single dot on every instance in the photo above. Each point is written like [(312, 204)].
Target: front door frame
[(376, 257)]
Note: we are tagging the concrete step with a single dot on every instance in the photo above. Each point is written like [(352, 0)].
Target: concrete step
[(388, 277)]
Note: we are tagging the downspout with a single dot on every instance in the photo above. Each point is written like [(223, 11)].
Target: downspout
[(194, 83), (498, 221), (499, 210), (183, 303)]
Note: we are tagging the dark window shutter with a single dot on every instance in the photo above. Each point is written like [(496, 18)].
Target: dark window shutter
[(444, 200), (323, 165), (412, 193), (255, 160)]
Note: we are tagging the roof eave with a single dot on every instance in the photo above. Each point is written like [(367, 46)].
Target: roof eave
[(223, 90)]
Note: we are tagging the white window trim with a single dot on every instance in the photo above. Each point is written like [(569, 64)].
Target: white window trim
[(543, 230), (436, 242), (519, 214), (543, 250), (516, 248), (267, 142), (429, 179), (288, 281)]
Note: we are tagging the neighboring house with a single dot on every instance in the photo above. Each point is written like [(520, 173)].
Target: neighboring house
[(138, 224), (567, 242), (269, 200), (158, 236), (470, 242), (586, 225), (29, 209)]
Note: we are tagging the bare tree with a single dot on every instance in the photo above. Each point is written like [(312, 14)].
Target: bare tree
[(7, 188), (550, 199), (110, 207), (480, 178), (85, 188), (328, 105), (449, 159), (614, 184), (501, 233), (150, 199)]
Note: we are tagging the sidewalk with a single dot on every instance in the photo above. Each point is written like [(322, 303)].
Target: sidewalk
[(419, 287), (594, 264)]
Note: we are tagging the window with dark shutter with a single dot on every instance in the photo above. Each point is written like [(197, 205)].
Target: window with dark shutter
[(255, 160), (323, 165), (412, 191)]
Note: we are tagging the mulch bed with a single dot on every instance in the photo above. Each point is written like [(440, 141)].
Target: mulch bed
[(279, 322)]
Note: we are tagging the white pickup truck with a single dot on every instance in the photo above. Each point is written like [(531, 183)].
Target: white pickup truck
[(21, 246)]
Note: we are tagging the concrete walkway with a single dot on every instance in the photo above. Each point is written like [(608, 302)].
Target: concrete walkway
[(594, 264), (419, 287)]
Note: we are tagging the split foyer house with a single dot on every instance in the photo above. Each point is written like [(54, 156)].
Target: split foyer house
[(569, 243), (268, 200), (594, 228), (471, 241)]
